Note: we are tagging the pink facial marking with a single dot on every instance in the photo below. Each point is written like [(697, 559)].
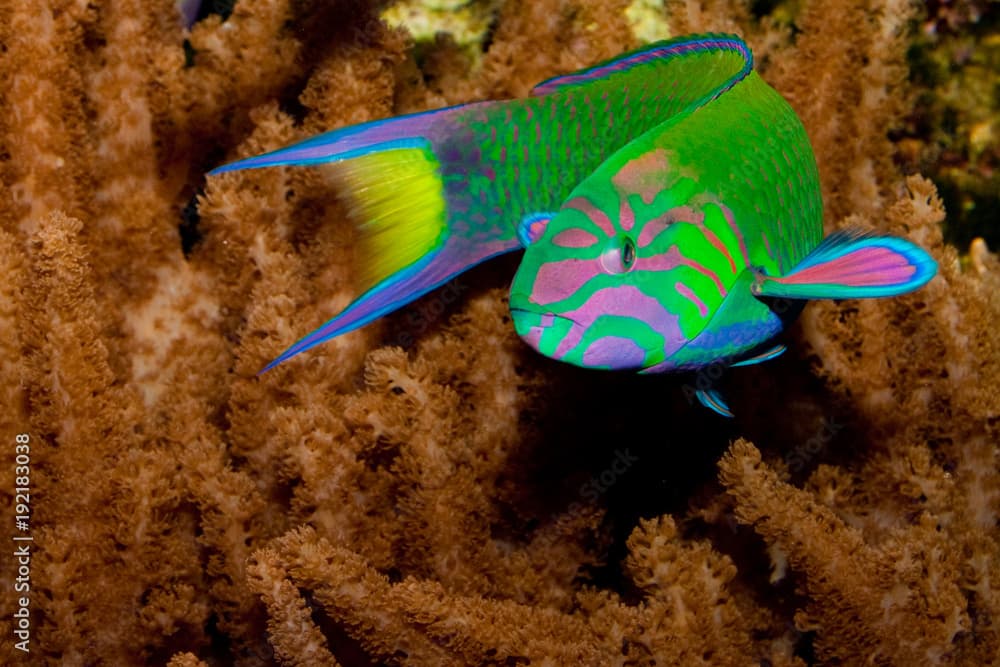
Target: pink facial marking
[(516, 132), (626, 216), (728, 215), (529, 112), (538, 133), (672, 258), (652, 229), (594, 214), (574, 238), (656, 226), (686, 292), (643, 176), (560, 280)]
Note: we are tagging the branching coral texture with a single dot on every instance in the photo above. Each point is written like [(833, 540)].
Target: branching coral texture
[(426, 491)]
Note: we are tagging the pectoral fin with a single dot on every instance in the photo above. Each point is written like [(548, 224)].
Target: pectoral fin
[(851, 265)]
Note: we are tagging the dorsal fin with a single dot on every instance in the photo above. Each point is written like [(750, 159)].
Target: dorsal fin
[(717, 47)]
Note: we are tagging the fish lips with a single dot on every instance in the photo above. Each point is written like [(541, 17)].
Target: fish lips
[(530, 323), (531, 319)]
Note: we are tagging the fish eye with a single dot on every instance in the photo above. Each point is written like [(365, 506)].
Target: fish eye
[(628, 253), (618, 255)]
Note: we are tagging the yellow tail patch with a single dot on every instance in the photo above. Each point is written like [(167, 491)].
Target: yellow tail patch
[(397, 200)]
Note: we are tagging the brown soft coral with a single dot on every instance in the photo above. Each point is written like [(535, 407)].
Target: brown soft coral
[(897, 602), (426, 490)]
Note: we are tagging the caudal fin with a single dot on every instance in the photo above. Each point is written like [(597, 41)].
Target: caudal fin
[(851, 265), (400, 132), (390, 175)]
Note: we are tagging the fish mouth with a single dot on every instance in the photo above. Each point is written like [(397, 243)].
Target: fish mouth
[(531, 320), (532, 323), (528, 319)]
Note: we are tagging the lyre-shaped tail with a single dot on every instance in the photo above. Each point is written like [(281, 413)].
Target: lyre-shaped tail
[(392, 178)]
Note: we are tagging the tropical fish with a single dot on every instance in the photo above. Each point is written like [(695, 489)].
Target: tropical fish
[(667, 201)]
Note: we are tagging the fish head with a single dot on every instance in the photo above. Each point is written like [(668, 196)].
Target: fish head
[(601, 288)]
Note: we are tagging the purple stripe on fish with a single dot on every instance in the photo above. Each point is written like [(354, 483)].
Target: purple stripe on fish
[(624, 301), (614, 350)]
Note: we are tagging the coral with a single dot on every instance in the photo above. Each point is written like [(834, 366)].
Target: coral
[(426, 490), (466, 21), (953, 134)]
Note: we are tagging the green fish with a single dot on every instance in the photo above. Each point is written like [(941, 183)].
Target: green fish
[(667, 202)]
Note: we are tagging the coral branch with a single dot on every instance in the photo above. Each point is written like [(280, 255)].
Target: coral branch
[(296, 639), (897, 603)]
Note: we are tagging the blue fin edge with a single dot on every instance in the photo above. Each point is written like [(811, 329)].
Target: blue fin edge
[(713, 400)]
